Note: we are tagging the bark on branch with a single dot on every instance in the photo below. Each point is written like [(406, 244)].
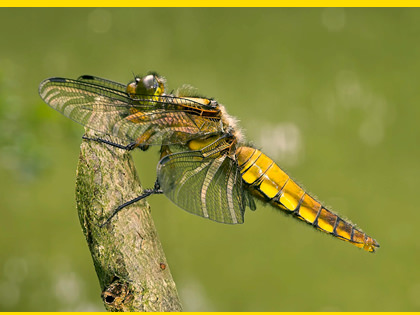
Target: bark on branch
[(127, 254)]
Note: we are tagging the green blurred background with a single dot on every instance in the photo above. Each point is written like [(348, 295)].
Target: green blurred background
[(331, 94)]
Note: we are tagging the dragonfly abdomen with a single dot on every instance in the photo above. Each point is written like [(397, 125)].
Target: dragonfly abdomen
[(269, 183)]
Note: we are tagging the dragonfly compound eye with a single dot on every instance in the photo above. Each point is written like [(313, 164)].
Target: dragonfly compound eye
[(151, 84), (148, 85)]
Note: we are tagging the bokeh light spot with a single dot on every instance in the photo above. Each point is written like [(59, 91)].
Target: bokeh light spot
[(100, 21), (333, 19)]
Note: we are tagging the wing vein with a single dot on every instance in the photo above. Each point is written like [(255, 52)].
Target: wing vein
[(207, 180)]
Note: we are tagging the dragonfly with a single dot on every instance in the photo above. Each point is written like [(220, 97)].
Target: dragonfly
[(206, 166)]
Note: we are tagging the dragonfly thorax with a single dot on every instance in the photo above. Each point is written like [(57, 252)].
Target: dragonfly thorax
[(231, 126)]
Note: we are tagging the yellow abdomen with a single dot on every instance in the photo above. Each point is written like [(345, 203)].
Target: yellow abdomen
[(269, 183)]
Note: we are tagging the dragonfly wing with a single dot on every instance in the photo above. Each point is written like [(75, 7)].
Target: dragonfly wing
[(96, 107), (166, 126), (108, 110), (207, 187), (103, 82)]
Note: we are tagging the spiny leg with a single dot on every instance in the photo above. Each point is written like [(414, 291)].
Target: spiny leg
[(129, 147), (146, 193)]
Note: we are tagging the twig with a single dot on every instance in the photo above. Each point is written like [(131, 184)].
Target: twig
[(127, 254)]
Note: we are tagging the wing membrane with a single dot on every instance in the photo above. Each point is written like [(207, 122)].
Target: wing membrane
[(102, 82), (101, 105), (207, 187)]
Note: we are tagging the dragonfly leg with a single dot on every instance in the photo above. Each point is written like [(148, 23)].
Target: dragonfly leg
[(146, 193), (144, 147), (128, 147), (164, 151), (144, 138)]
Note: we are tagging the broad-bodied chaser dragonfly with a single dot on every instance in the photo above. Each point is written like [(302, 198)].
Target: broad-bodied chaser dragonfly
[(206, 168)]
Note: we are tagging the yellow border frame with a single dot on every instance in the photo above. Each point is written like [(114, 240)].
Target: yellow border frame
[(208, 3)]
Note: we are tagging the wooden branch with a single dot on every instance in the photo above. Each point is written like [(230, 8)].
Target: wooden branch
[(127, 254)]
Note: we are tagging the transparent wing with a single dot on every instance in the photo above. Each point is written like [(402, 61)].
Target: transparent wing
[(208, 187), (102, 82), (101, 105)]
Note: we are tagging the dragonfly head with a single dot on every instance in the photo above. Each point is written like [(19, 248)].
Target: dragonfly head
[(150, 84)]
